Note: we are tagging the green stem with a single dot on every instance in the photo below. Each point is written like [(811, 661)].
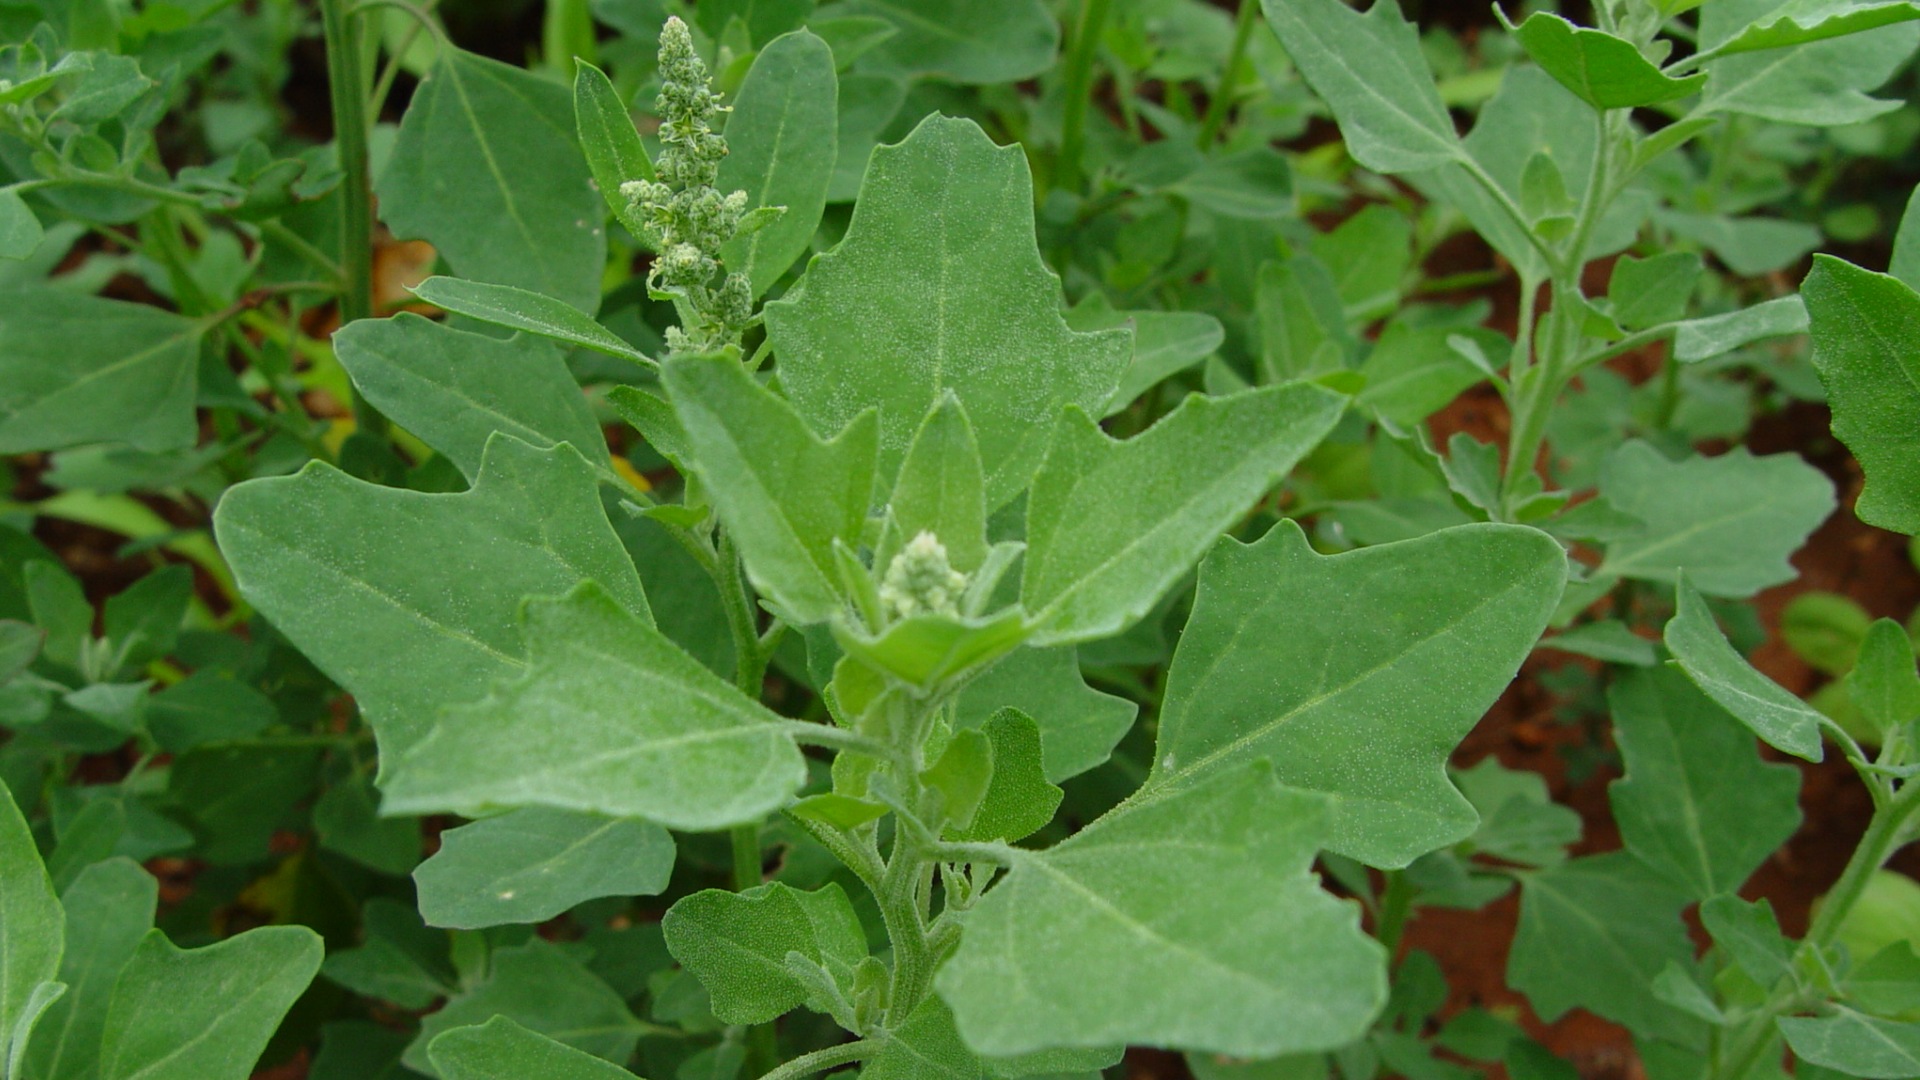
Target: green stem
[(1886, 834), (900, 911), (1222, 98), (821, 1060), (1396, 903), (1073, 121), (348, 90)]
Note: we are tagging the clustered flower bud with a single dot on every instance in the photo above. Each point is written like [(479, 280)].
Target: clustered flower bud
[(689, 219), (920, 580)]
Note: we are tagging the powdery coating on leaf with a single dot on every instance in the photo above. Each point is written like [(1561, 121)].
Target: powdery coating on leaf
[(543, 989), (1865, 326), (411, 600), (939, 285), (530, 865), (32, 923), (737, 945), (781, 146), (1079, 726), (1819, 82), (1189, 921), (610, 718), (1356, 675)]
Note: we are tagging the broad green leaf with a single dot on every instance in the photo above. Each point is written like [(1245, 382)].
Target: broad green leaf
[(1887, 912), (1782, 720), (1647, 292), (1904, 263), (1730, 522), (737, 945), (781, 138), (527, 866), (1817, 82), (1607, 72), (941, 489), (939, 285), (926, 1047), (960, 776), (1519, 821), (1413, 372), (1247, 185), (1368, 255), (1019, 801), (1185, 919), (487, 170), (1594, 933), (455, 389), (1112, 525), (1303, 324), (204, 1014), (1855, 1044), (1750, 246), (503, 1050), (109, 909), (1164, 342), (929, 650), (32, 922), (207, 707), (1863, 327), (1370, 71), (963, 41), (20, 230), (785, 495), (1079, 726), (1888, 982), (1717, 335), (609, 718), (518, 309), (541, 988), (347, 821), (78, 369), (399, 959), (85, 838), (408, 599), (1883, 683), (1298, 658), (1799, 22), (1751, 937), (1698, 805), (609, 142)]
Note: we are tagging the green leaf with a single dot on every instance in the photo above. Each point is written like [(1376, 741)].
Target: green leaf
[(1112, 525), (1079, 726), (1888, 983), (1303, 324), (1647, 292), (926, 1047), (1594, 933), (610, 718), (609, 142), (941, 489), (1862, 323), (738, 944), (1730, 521), (1855, 1044), (1249, 185), (487, 170), (1750, 246), (207, 707), (32, 922), (1751, 937), (1183, 919), (1717, 335), (1605, 71), (1884, 682), (400, 959), (1414, 372), (541, 988), (77, 369), (20, 230), (1782, 721), (1370, 71), (898, 311), (109, 909), (503, 1050), (785, 495), (455, 389), (45, 995), (781, 139), (1698, 805), (1293, 657), (528, 866), (1164, 342), (1819, 82), (961, 775), (419, 613), (347, 821), (1019, 801), (963, 41), (204, 1014), (518, 309), (1519, 821), (1800, 22)]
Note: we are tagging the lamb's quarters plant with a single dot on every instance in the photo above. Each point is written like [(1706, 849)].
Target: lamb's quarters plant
[(1031, 583)]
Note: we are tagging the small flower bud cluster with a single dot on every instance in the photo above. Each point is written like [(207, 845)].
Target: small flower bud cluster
[(688, 217), (920, 581)]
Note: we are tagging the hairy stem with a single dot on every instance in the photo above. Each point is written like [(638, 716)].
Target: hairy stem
[(821, 1060)]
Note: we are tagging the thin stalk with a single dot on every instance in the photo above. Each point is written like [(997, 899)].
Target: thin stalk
[(1396, 903), (1073, 120), (1222, 98), (348, 89), (821, 1060)]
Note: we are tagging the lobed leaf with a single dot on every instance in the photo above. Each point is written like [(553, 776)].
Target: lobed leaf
[(1863, 326), (1607, 72), (738, 945)]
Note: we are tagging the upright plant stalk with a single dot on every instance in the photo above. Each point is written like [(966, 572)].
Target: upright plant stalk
[(347, 87), (1073, 119), (1222, 99)]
